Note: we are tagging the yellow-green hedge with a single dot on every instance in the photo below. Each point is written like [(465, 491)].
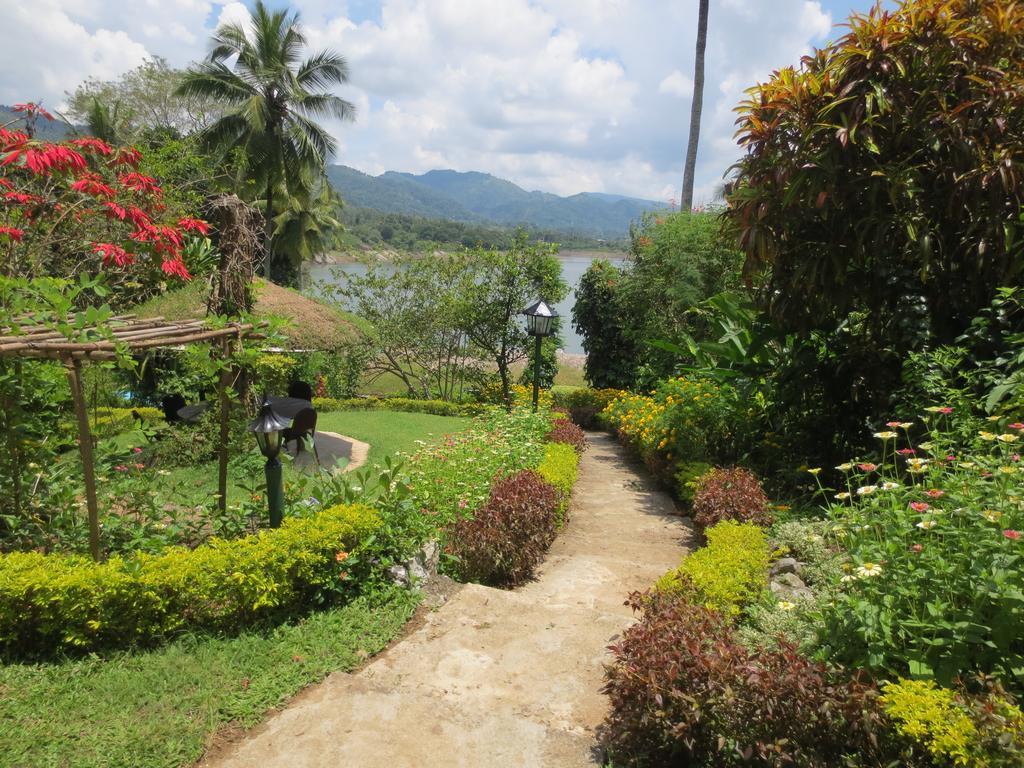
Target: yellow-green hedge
[(559, 468), (62, 602), (731, 571), (409, 405)]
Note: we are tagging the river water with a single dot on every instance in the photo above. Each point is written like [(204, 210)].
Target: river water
[(574, 264)]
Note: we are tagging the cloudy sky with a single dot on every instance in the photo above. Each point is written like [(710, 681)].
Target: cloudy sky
[(559, 95)]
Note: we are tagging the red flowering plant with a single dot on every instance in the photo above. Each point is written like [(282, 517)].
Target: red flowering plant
[(81, 205)]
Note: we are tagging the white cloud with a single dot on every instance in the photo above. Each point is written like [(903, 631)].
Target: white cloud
[(560, 95), (676, 84)]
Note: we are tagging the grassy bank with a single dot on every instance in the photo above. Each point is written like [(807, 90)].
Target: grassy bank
[(159, 709)]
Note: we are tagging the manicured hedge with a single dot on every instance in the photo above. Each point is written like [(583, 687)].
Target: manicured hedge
[(66, 602), (559, 469), (110, 422), (731, 571), (409, 405)]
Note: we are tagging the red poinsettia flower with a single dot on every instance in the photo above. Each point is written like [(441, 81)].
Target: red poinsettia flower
[(137, 182), (175, 268), (137, 216), (113, 254), (115, 211), (13, 233), (11, 139), (127, 156), (21, 198), (92, 185), (194, 225), (45, 159), (92, 144), (32, 109)]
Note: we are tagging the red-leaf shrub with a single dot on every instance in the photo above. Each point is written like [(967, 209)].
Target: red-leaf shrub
[(508, 536), (684, 691), (730, 494), (564, 431)]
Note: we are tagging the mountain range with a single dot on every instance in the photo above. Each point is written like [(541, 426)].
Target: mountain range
[(481, 198)]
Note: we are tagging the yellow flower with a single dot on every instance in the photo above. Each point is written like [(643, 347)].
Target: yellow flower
[(845, 467), (990, 436), (992, 515), (1008, 438), (886, 435), (815, 471)]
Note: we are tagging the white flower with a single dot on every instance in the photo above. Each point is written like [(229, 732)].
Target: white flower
[(842, 496), (848, 578), (926, 525), (845, 467), (886, 435), (889, 485), (1008, 438), (869, 569), (866, 490)]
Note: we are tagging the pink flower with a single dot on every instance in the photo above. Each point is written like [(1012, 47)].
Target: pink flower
[(934, 493), (1011, 534), (867, 467), (140, 466), (944, 409), (136, 449), (916, 548), (920, 506), (892, 424), (906, 451), (121, 468), (1017, 425)]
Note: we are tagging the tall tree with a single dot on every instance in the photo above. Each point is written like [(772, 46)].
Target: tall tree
[(270, 97), (696, 107)]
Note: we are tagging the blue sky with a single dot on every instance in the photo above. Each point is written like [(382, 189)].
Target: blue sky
[(559, 95)]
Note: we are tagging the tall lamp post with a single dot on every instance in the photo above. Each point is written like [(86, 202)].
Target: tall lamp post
[(540, 322), (267, 427)]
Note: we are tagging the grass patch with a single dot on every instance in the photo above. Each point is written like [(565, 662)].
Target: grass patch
[(159, 708), (389, 385), (391, 432)]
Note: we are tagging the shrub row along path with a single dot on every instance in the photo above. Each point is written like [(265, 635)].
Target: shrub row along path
[(494, 677)]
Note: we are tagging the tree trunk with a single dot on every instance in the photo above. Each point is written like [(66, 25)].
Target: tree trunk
[(696, 107), (269, 245)]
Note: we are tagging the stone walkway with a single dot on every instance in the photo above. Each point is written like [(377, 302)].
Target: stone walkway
[(496, 678)]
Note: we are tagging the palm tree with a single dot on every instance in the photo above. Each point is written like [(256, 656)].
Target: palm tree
[(696, 107), (306, 227), (105, 122), (270, 98)]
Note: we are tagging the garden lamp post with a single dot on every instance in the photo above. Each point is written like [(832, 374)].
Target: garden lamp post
[(267, 426), (540, 322)]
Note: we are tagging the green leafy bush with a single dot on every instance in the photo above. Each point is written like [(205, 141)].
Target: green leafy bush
[(65, 602), (731, 571), (507, 537), (684, 691), (935, 581), (583, 403), (730, 494), (559, 469), (407, 405), (687, 479)]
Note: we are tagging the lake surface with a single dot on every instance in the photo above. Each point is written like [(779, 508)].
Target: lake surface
[(574, 264)]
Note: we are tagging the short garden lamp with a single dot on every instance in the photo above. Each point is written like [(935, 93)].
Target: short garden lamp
[(267, 426), (540, 322)]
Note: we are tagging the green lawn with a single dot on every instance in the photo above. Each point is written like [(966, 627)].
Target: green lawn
[(159, 708), (391, 432)]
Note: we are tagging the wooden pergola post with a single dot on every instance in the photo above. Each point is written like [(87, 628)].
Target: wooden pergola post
[(74, 370), (225, 423)]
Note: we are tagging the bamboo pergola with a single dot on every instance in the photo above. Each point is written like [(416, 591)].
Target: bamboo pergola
[(118, 336)]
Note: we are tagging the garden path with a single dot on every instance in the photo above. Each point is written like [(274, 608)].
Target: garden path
[(495, 677)]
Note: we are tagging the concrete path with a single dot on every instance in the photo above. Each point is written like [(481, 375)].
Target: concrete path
[(495, 678), (330, 448)]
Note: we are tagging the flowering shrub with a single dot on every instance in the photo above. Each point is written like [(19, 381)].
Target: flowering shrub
[(585, 404), (729, 572), (564, 431), (684, 691), (730, 494), (559, 469), (64, 602), (507, 537), (686, 418), (935, 583), (83, 204), (452, 478)]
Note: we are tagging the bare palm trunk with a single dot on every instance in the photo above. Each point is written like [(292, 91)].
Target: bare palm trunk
[(696, 107), (269, 246)]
